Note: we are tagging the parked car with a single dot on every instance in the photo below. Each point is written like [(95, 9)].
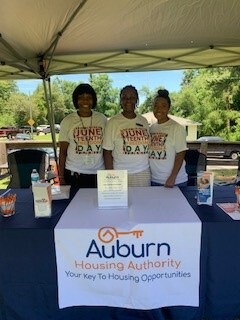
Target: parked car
[(22, 136), (218, 147), (57, 128), (43, 128), (27, 129), (46, 128), (211, 138), (8, 132)]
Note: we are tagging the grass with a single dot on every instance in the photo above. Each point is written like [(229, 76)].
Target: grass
[(41, 137), (227, 175), (4, 183), (44, 137)]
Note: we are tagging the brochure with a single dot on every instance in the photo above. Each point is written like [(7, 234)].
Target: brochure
[(230, 209), (205, 187)]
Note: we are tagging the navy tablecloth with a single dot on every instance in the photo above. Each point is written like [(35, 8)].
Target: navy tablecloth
[(28, 277)]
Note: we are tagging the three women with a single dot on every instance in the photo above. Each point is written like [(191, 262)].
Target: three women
[(126, 142)]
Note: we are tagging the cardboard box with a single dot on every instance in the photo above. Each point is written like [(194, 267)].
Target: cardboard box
[(42, 200)]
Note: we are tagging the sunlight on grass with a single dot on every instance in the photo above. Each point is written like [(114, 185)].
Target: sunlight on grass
[(4, 183), (225, 175), (44, 137)]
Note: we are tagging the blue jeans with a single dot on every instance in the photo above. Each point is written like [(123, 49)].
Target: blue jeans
[(155, 184)]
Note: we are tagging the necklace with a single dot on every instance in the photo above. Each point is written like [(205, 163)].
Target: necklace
[(87, 136)]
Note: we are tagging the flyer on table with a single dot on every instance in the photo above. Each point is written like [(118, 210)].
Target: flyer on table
[(112, 188)]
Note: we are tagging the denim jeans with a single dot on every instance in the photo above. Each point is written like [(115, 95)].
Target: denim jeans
[(155, 184)]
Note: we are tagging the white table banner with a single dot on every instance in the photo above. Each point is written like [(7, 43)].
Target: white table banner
[(145, 256)]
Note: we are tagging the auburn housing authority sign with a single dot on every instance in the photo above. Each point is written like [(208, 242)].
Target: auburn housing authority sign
[(136, 257)]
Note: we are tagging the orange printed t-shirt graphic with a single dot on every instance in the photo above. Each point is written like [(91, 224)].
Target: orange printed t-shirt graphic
[(158, 146), (135, 141), (88, 140)]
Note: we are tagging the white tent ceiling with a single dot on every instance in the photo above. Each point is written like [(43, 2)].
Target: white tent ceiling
[(41, 38)]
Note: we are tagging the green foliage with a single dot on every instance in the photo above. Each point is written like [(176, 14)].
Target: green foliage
[(210, 97), (188, 76), (146, 106), (21, 108), (7, 88), (106, 94), (65, 89), (39, 102), (59, 100)]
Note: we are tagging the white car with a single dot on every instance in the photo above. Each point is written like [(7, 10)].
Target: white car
[(46, 128), (211, 139), (43, 128)]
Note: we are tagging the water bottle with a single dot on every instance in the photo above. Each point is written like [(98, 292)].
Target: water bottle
[(34, 176)]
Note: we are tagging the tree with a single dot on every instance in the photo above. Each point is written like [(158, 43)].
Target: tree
[(107, 95), (146, 106), (39, 101), (20, 106), (224, 83), (66, 88), (209, 96), (188, 76), (61, 103), (61, 100), (6, 89)]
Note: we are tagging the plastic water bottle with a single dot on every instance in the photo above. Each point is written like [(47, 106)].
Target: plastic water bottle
[(34, 176)]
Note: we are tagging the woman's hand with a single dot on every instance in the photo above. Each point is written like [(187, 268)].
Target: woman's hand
[(170, 182)]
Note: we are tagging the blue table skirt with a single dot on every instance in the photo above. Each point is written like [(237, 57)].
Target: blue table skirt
[(28, 277)]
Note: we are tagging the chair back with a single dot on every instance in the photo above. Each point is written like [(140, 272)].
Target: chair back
[(195, 162), (22, 162)]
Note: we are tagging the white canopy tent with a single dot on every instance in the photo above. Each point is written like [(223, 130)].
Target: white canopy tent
[(41, 38)]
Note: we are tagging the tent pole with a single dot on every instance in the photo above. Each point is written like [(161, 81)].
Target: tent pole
[(51, 118)]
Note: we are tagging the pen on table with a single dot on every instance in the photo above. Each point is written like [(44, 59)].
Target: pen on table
[(4, 193)]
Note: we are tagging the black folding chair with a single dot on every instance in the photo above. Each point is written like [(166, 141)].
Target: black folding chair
[(22, 162), (195, 162)]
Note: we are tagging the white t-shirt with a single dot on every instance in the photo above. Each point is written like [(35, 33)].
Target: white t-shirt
[(128, 139), (167, 139), (84, 135)]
